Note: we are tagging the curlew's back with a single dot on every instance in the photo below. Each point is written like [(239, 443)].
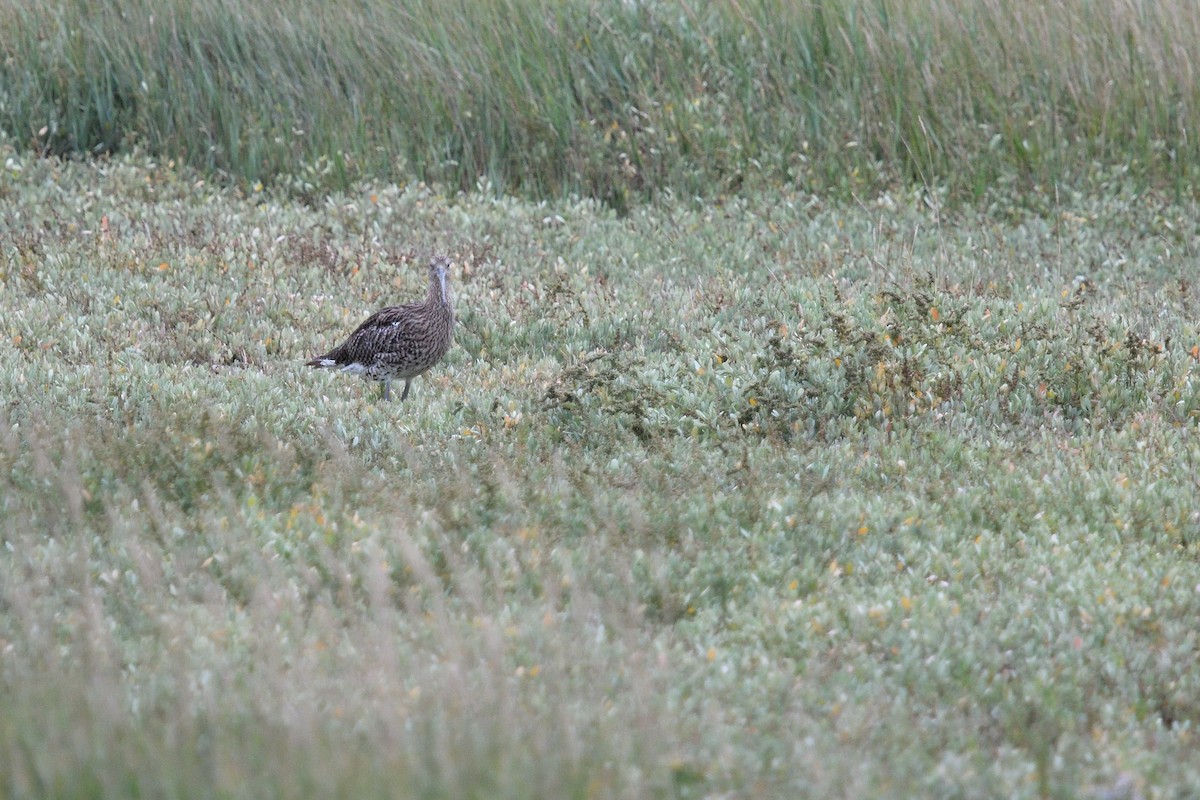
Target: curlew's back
[(401, 340)]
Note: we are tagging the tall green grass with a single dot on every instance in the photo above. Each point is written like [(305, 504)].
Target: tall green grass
[(616, 100)]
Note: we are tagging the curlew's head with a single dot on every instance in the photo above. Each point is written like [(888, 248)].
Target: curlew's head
[(439, 274)]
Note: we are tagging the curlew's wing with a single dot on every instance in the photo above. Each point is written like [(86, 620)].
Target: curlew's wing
[(371, 337), (388, 318)]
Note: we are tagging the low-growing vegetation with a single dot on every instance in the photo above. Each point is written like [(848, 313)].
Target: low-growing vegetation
[(772, 496)]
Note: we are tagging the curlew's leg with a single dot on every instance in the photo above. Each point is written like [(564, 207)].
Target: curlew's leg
[(387, 389), (407, 384)]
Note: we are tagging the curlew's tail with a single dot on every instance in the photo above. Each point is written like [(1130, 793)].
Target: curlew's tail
[(321, 361)]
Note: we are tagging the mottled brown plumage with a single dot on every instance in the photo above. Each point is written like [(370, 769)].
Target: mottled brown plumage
[(399, 342)]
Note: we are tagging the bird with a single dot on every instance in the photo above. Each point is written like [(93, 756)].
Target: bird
[(399, 342)]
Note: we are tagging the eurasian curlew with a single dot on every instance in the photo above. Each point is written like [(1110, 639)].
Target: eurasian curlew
[(399, 342)]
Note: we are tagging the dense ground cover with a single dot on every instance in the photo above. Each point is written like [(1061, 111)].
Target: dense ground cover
[(769, 496), (821, 420)]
